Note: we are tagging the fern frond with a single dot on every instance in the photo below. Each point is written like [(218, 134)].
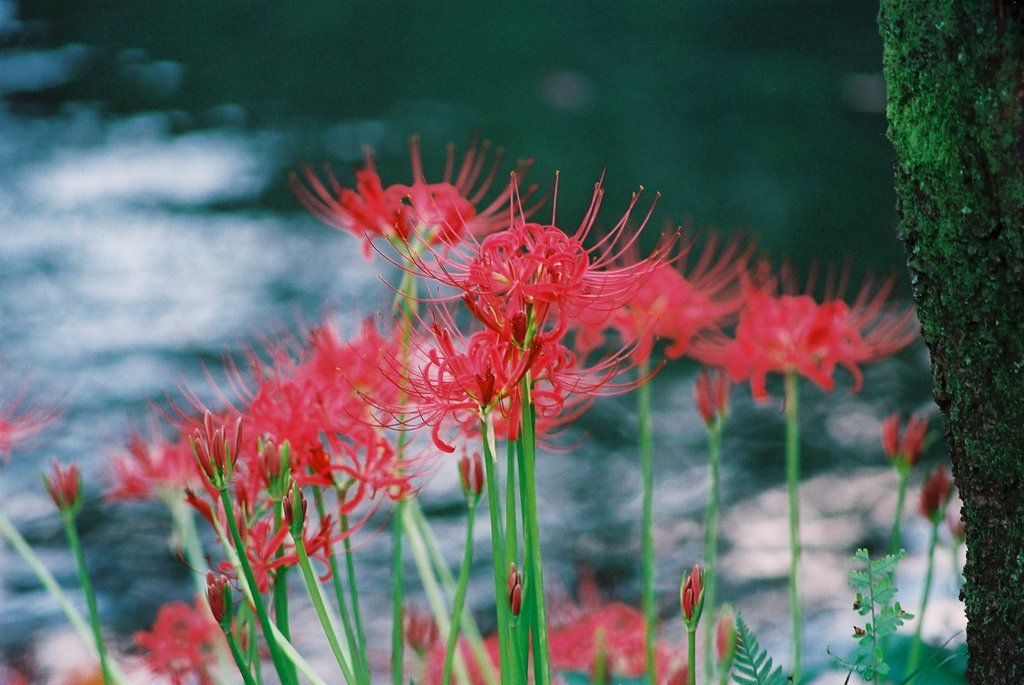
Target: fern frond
[(753, 666)]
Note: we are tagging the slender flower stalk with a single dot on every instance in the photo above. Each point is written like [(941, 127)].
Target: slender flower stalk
[(712, 391), (531, 543), (295, 513), (691, 600), (499, 562), (472, 479), (64, 486), (792, 490), (935, 496), (644, 431), (903, 451)]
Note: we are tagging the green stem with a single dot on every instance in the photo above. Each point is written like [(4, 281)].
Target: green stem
[(283, 667), (240, 662), (691, 655), (792, 489), (460, 596), (339, 590), (46, 578), (915, 649), (500, 565), (434, 594), (353, 587), (901, 494), (644, 431), (317, 597), (397, 596), (711, 537), (281, 588), (405, 300), (86, 584), (511, 527), (187, 538), (417, 525), (534, 587)]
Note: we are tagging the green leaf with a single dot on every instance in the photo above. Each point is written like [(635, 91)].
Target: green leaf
[(753, 666)]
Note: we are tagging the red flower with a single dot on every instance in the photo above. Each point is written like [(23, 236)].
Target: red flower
[(676, 300), (935, 494), (182, 643), (712, 391), (20, 422), (65, 486), (152, 469), (425, 212), (906, 448), (691, 596), (794, 333)]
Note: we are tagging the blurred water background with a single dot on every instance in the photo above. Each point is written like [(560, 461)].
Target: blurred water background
[(146, 227)]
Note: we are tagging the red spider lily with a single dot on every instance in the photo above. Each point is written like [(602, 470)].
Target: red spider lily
[(182, 643), (20, 421), (935, 494), (263, 542), (691, 596), (218, 596), (445, 212), (460, 379), (726, 637), (794, 333), (906, 448), (539, 274), (216, 448), (712, 391), (64, 485), (676, 300), (152, 469)]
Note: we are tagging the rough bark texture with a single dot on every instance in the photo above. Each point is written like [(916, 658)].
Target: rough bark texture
[(955, 75)]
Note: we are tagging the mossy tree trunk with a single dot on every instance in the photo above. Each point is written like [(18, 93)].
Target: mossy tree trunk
[(955, 75)]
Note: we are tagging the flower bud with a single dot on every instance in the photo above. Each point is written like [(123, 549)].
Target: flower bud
[(904, 450), (712, 392), (691, 597), (216, 451), (420, 631), (515, 589), (218, 595), (64, 486), (294, 506), (471, 476), (935, 494), (725, 638)]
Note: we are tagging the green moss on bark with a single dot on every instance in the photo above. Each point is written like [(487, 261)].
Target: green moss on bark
[(955, 75)]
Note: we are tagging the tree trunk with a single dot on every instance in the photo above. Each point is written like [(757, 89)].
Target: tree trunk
[(955, 75)]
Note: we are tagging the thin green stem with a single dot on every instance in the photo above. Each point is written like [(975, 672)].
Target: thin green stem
[(281, 587), (460, 596), (86, 584), (405, 300), (397, 595), (500, 565), (317, 597), (511, 527), (186, 538), (353, 587), (534, 588), (901, 495), (915, 648), (339, 590), (283, 667), (240, 661), (416, 524), (792, 489), (644, 434), (46, 578), (691, 655), (435, 597), (711, 537)]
